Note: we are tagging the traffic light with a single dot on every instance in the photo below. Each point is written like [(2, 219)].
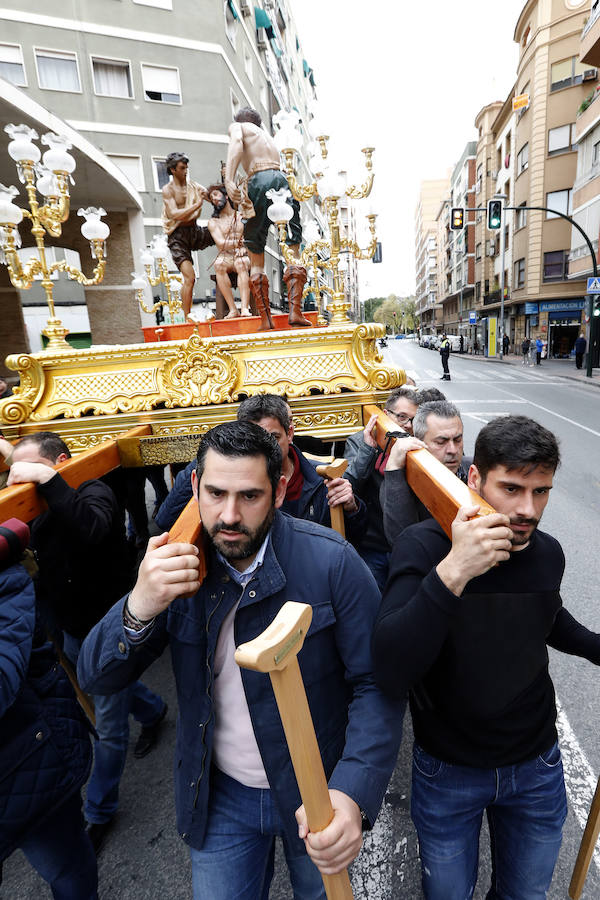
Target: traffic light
[(596, 308), (457, 218), (494, 214)]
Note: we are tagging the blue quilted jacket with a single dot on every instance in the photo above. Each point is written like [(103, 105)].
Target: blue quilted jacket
[(45, 748)]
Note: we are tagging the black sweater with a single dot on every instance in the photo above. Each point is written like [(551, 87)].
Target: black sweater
[(476, 665)]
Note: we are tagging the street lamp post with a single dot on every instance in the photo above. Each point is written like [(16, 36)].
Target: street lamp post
[(503, 198)]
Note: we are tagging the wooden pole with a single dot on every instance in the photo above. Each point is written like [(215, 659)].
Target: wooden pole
[(332, 470), (586, 849), (275, 651)]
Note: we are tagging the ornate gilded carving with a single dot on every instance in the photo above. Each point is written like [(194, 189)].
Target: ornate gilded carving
[(370, 361), (310, 421), (18, 408), (201, 373)]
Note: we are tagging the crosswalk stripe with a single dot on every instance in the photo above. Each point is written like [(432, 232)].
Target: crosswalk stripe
[(433, 374)]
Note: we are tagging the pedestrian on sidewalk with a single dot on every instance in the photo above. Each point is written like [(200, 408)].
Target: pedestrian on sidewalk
[(539, 346), (505, 344), (580, 346), (525, 351), (445, 353)]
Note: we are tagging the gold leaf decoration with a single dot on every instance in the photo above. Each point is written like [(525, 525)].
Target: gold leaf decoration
[(200, 374)]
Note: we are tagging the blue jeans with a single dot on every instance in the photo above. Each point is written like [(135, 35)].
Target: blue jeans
[(526, 806), (62, 853), (110, 750), (378, 563), (237, 856)]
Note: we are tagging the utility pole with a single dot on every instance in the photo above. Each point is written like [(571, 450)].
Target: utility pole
[(503, 198)]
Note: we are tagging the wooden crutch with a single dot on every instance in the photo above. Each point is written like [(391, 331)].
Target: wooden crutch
[(275, 651), (586, 848), (335, 469)]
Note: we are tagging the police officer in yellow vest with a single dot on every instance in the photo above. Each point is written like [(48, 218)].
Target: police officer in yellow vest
[(445, 353)]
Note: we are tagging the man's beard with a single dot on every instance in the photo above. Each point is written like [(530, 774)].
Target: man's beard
[(519, 540), (245, 546), (220, 205)]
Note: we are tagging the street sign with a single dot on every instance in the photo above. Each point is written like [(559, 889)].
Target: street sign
[(593, 286), (472, 318), (520, 102)]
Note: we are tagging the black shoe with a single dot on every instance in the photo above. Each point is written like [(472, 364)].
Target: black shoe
[(149, 736), (97, 832)]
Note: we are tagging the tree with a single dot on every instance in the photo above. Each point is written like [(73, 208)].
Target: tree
[(397, 314), (371, 307)]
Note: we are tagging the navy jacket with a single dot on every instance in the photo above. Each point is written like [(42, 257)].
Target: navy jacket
[(45, 749), (312, 504), (358, 729)]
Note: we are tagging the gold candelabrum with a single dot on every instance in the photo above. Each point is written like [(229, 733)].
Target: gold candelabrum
[(154, 260), (50, 180), (320, 253)]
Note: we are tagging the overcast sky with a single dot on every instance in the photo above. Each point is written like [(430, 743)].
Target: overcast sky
[(408, 78)]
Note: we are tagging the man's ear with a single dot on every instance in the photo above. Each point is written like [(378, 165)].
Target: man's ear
[(475, 479), (62, 457), (280, 492), (195, 485)]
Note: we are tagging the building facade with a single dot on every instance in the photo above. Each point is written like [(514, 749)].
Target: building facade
[(428, 307), (460, 246), (142, 78)]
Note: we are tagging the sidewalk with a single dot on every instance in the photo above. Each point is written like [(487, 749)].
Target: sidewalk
[(555, 368)]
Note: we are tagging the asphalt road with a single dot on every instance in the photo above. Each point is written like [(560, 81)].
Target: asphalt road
[(144, 859)]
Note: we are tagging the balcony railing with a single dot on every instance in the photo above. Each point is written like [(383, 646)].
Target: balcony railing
[(594, 14)]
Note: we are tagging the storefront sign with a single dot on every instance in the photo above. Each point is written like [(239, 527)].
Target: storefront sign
[(520, 102), (531, 309), (561, 305), (492, 323)]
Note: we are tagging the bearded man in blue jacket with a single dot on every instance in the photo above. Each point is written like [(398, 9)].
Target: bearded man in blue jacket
[(234, 781)]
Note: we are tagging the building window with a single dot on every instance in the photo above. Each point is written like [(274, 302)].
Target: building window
[(231, 20), (57, 70), (560, 201), (161, 176), (248, 63), (478, 290), (478, 251), (556, 265), (566, 73), (561, 139), (487, 286), (161, 84), (235, 104), (131, 167), (521, 217), (11, 64), (263, 96), (596, 153), (159, 4), (523, 159), (519, 278), (112, 78)]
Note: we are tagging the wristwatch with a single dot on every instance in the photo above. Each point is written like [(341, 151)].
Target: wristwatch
[(132, 622)]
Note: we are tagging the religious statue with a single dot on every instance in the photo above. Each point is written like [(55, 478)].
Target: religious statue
[(227, 231)]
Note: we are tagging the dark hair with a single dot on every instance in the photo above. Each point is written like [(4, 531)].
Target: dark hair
[(400, 393), (427, 395), (172, 160), (247, 114), (441, 408), (237, 439), (263, 406), (515, 442), (222, 190), (49, 445)]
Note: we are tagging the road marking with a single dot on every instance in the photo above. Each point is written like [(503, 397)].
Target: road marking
[(470, 400), (580, 780), (559, 416), (433, 374), (483, 416)]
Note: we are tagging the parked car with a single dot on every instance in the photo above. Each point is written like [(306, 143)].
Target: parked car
[(424, 342)]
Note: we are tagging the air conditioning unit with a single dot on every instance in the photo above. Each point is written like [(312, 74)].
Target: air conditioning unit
[(491, 248), (590, 74), (245, 8)]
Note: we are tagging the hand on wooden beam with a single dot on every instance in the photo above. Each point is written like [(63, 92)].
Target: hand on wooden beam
[(478, 544), (397, 457), (168, 570), (337, 845)]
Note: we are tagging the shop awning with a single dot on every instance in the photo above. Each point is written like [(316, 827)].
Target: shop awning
[(234, 11), (261, 18)]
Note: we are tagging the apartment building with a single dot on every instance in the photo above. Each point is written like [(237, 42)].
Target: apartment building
[(547, 299), (141, 78), (428, 307), (459, 253)]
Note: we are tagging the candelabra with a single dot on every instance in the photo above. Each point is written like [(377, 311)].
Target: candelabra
[(330, 185), (50, 179), (156, 254)]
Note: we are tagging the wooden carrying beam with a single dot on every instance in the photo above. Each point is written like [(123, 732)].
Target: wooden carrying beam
[(335, 469), (22, 501), (441, 492), (188, 529)]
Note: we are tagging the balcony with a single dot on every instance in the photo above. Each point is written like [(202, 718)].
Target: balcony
[(494, 297), (588, 113), (589, 50)]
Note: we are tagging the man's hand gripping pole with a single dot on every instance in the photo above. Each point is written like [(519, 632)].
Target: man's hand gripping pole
[(275, 651)]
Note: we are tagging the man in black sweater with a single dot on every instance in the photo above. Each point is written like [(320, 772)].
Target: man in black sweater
[(463, 627), (84, 567)]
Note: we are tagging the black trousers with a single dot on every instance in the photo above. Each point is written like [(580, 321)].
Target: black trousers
[(579, 360), (445, 363)]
